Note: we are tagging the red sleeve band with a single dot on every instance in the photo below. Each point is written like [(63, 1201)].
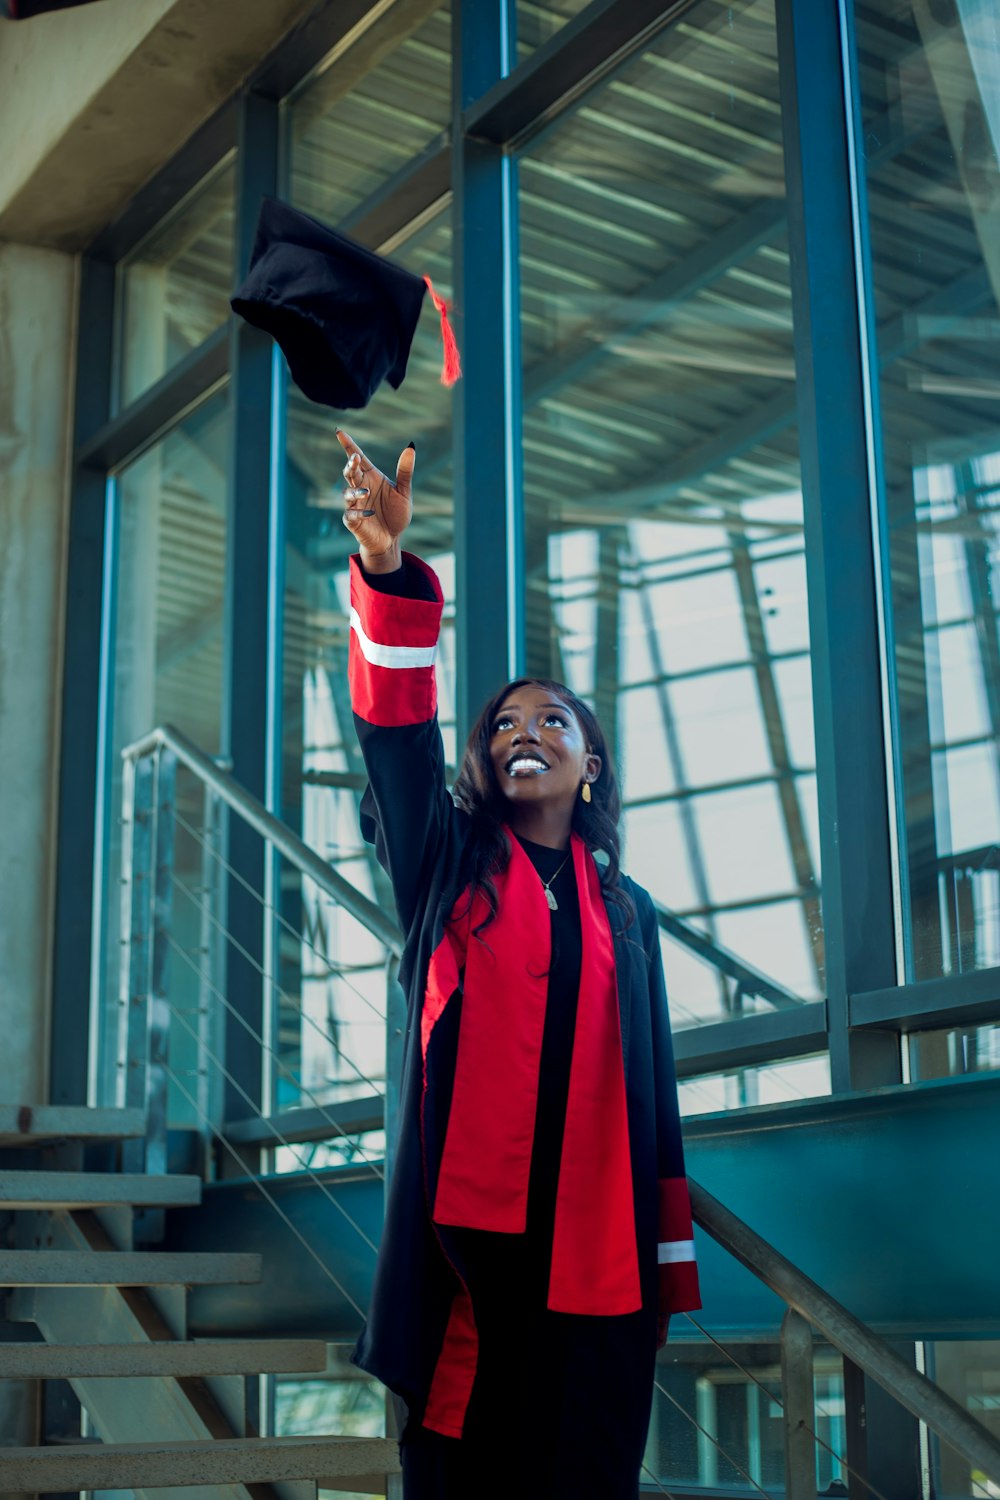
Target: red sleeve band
[(679, 1290), (392, 650)]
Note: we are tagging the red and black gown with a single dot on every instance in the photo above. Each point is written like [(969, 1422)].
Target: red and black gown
[(519, 1395)]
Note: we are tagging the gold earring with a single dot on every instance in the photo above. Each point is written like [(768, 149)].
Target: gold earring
[(585, 791)]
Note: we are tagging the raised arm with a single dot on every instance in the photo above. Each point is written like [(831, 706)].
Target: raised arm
[(396, 607)]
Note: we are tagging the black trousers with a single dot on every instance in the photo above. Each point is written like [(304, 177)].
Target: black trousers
[(561, 1402)]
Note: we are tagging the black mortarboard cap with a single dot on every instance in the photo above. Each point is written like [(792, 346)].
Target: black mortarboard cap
[(343, 316)]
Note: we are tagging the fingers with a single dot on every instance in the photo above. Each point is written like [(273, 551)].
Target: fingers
[(404, 469), (349, 446)]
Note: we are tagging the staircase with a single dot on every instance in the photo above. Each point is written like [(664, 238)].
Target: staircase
[(109, 1315)]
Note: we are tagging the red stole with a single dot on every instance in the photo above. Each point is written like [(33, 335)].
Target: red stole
[(485, 1165)]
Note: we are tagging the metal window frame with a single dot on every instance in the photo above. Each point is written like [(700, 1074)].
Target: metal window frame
[(496, 109)]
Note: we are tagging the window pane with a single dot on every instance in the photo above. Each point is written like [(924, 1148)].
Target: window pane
[(367, 113), (930, 125), (174, 289), (666, 574), (537, 22), (167, 668), (331, 1035)]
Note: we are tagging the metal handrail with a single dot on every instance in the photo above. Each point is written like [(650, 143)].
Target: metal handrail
[(253, 812), (371, 916), (921, 1397), (926, 1401)]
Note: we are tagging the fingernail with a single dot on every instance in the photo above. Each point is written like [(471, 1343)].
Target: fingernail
[(412, 444)]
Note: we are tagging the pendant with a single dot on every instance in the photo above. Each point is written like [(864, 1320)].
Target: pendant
[(550, 897)]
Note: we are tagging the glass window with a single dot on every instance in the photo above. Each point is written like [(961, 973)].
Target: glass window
[(167, 668), (665, 570), (931, 136), (536, 23), (369, 110), (331, 1031), (969, 1371), (174, 289), (773, 1083), (716, 1422), (953, 1052)]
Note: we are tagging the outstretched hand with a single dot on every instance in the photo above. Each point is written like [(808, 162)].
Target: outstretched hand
[(378, 509)]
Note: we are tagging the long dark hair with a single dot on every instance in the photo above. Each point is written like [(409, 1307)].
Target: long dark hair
[(477, 793)]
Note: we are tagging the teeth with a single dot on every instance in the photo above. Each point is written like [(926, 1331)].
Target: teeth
[(527, 764)]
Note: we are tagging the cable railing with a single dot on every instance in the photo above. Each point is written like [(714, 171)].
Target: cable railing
[(151, 1020)]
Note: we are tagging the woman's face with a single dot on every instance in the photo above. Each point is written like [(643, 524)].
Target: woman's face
[(538, 748)]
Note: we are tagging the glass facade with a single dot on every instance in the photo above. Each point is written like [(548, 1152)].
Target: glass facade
[(167, 584), (665, 576), (660, 484), (174, 288), (931, 139), (368, 111)]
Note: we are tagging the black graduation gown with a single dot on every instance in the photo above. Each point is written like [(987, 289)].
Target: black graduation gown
[(584, 1380)]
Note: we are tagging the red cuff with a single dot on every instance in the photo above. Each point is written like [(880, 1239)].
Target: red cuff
[(392, 649), (679, 1290)]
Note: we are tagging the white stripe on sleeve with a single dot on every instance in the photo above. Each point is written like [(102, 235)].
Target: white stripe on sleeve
[(390, 656), (669, 1251)]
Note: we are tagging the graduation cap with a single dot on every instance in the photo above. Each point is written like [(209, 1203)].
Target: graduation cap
[(23, 10), (343, 316)]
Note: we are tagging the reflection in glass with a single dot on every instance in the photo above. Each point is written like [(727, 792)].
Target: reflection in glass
[(953, 1052), (770, 1083), (331, 1032), (536, 23), (174, 289), (664, 551), (168, 669), (717, 1416), (969, 1371), (368, 111), (931, 139)]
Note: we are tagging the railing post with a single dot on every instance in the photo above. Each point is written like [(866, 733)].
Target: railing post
[(800, 1406), (211, 1021), (137, 911), (159, 981)]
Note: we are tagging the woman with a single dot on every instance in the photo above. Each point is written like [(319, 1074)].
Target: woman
[(537, 1232)]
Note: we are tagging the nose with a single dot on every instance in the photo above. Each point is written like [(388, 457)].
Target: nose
[(525, 732)]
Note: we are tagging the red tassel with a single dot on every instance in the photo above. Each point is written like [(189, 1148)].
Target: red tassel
[(452, 367)]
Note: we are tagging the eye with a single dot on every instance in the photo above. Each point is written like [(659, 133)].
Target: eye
[(499, 724), (555, 719)]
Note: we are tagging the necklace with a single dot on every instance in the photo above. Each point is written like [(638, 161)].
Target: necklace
[(550, 895)]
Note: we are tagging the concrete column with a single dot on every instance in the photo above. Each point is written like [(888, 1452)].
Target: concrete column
[(37, 297)]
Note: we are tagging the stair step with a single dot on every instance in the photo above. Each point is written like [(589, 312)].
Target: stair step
[(96, 1190), (125, 1268), (41, 1361), (179, 1465), (37, 1124)]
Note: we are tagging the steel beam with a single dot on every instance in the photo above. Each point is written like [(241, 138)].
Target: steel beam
[(83, 718), (488, 546), (586, 49), (843, 613), (189, 382), (971, 999), (245, 708)]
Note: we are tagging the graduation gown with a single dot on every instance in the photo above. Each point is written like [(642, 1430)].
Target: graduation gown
[(622, 1251)]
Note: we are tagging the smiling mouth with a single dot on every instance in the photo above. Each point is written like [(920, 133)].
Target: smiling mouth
[(525, 765)]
